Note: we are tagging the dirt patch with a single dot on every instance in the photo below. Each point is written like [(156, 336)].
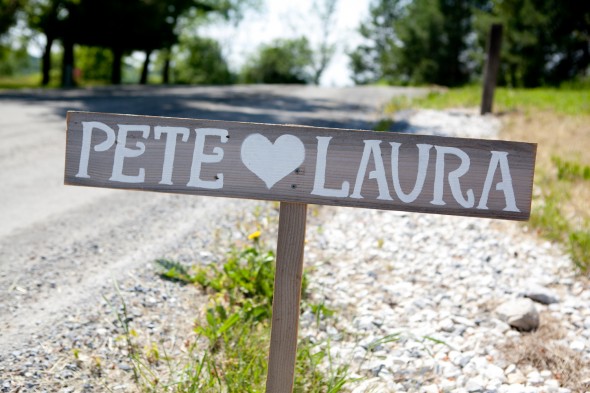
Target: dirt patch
[(544, 350), (567, 137)]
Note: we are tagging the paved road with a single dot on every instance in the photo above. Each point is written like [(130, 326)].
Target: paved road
[(58, 243)]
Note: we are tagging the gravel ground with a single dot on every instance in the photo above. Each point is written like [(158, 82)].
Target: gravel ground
[(436, 282), (431, 283)]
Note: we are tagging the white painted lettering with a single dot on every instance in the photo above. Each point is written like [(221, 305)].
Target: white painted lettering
[(441, 152), (372, 148), (87, 127), (423, 157), (171, 136), (320, 173), (122, 152), (199, 158), (499, 158)]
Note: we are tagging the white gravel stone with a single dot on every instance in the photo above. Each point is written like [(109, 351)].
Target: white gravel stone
[(578, 345), (494, 372), (519, 313), (476, 384)]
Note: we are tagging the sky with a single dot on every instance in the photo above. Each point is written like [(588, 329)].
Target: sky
[(292, 19)]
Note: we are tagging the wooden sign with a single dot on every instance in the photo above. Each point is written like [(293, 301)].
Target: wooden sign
[(379, 170), (299, 165)]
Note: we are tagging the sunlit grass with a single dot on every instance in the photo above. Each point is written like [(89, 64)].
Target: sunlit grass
[(229, 347), (559, 101), (20, 81)]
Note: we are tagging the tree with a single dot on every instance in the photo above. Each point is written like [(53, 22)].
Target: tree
[(282, 61), (545, 41), (433, 41), (10, 58), (202, 11), (323, 53), (94, 62), (8, 11), (416, 42), (43, 17), (372, 60), (204, 63)]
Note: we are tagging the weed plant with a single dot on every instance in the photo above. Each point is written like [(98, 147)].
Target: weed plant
[(232, 332)]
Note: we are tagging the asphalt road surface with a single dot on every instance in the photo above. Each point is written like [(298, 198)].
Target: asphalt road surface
[(59, 243)]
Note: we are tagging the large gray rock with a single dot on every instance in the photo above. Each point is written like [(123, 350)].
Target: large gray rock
[(519, 313)]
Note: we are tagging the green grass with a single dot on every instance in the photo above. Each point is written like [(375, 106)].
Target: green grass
[(233, 330), (562, 101), (20, 82), (550, 218)]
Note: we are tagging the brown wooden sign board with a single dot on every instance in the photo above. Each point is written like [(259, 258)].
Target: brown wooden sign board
[(379, 170), (299, 165)]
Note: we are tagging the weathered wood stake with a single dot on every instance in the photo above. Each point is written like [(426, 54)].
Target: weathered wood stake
[(491, 69), (287, 298)]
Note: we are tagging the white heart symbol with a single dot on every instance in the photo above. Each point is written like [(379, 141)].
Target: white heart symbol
[(272, 162)]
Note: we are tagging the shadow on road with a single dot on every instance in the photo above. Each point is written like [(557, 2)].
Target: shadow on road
[(321, 107)]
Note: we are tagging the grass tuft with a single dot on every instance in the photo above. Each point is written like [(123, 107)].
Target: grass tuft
[(571, 102), (543, 350), (232, 332)]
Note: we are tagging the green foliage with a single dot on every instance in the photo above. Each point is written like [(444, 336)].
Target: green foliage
[(246, 280), (282, 61), (384, 124), (133, 25), (443, 41), (235, 327), (545, 41), (549, 219), (174, 271), (20, 81), (201, 62), (547, 215), (94, 63), (418, 42), (16, 61), (373, 60), (579, 247), (8, 11), (570, 170)]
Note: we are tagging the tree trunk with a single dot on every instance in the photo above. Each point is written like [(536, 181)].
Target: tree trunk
[(117, 63), (46, 61), (67, 70), (166, 69), (145, 70)]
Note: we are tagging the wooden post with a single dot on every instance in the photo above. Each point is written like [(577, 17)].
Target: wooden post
[(491, 69), (287, 297)]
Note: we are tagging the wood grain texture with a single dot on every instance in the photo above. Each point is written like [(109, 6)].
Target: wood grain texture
[(286, 298), (344, 152)]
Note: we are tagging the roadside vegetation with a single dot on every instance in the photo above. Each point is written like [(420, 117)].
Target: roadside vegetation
[(231, 336), (558, 120)]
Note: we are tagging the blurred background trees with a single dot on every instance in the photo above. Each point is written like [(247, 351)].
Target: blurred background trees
[(442, 41), (408, 42), (282, 61)]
